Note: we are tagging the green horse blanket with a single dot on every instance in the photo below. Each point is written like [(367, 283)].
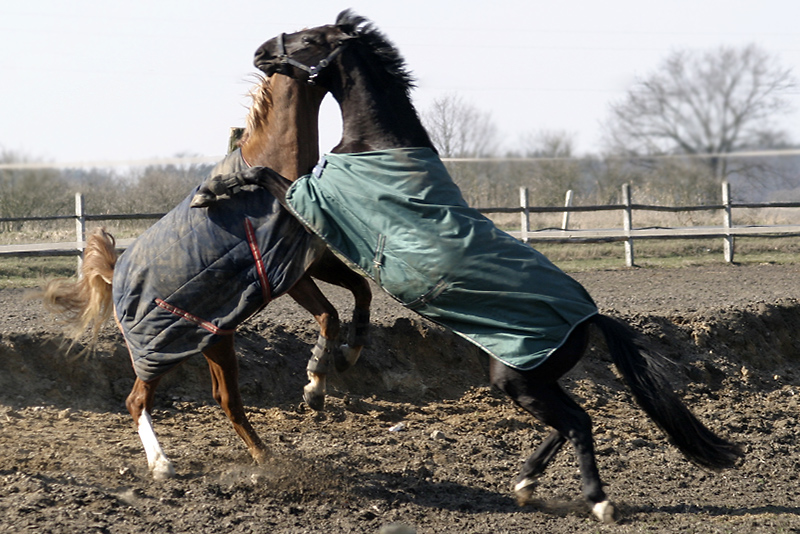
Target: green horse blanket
[(398, 216)]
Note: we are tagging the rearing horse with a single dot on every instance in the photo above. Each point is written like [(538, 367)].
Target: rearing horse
[(385, 201), (196, 274)]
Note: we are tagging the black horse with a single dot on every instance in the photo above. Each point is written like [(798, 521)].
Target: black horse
[(457, 268)]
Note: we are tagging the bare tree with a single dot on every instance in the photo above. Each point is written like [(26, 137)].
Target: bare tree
[(555, 169), (161, 187), (710, 103), (459, 129), (30, 192)]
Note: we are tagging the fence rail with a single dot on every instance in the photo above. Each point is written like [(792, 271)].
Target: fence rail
[(627, 233)]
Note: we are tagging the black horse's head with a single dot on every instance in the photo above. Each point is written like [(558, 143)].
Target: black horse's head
[(354, 62), (306, 54)]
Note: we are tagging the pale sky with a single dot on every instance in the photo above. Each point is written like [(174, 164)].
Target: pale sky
[(131, 80)]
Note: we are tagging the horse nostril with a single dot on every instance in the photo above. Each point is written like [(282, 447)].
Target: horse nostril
[(262, 55)]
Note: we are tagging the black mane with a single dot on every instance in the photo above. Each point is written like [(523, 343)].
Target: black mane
[(378, 46)]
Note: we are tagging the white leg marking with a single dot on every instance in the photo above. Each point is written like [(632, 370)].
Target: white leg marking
[(524, 483), (523, 491), (316, 383), (157, 461), (314, 391), (605, 512)]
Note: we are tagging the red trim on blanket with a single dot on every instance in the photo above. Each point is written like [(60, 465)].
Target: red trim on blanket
[(260, 268), (202, 323)]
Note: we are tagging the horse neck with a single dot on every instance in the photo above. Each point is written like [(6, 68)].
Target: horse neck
[(375, 116), (288, 140)]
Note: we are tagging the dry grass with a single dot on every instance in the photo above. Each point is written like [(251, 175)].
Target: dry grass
[(649, 219), (64, 231), (674, 253), (33, 272), (662, 253), (29, 272)]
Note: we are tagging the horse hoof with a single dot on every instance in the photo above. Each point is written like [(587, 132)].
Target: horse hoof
[(523, 491), (260, 456), (345, 358), (163, 471), (605, 512), (315, 401)]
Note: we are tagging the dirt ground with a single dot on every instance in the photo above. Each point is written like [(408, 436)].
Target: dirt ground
[(70, 460)]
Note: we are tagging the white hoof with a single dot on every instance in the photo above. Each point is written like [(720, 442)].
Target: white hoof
[(523, 491), (162, 470), (605, 512)]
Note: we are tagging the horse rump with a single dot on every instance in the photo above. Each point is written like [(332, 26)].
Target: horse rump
[(646, 375), (86, 303)]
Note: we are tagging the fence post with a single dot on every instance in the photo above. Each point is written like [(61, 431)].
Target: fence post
[(728, 240), (525, 222), (627, 220), (567, 204), (80, 228)]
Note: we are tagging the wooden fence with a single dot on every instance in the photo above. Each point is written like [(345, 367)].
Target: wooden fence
[(727, 230), (627, 232)]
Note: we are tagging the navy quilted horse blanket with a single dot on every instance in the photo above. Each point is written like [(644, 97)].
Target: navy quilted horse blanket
[(197, 274), (399, 217)]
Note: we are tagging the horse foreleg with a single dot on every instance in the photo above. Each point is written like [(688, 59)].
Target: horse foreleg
[(224, 369), (306, 293), (332, 270), (357, 339), (140, 405)]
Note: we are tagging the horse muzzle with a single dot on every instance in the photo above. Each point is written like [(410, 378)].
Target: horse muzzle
[(266, 60), (270, 66)]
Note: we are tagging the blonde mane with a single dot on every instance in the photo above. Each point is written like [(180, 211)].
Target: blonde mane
[(257, 117)]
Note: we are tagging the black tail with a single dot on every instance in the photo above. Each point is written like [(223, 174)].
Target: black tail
[(647, 378)]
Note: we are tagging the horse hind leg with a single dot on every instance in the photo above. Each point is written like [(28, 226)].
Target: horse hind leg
[(535, 465), (537, 391), (224, 370), (553, 407), (140, 405)]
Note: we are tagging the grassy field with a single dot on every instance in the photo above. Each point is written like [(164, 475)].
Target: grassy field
[(33, 272), (571, 257), (674, 253)]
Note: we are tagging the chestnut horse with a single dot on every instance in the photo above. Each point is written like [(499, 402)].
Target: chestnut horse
[(384, 200), (167, 315)]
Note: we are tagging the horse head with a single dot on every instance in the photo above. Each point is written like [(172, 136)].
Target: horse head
[(306, 54), (363, 71)]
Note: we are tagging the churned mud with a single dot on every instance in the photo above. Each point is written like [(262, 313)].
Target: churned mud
[(413, 435)]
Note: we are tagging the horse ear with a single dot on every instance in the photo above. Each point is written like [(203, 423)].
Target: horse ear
[(348, 22)]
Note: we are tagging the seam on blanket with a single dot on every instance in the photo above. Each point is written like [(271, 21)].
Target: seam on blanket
[(308, 226), (202, 323), (260, 268)]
